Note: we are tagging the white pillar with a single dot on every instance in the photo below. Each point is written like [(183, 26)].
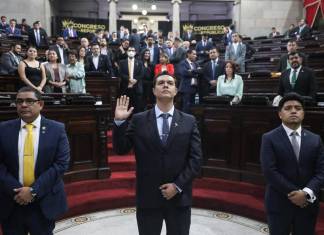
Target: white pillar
[(176, 16), (237, 15), (112, 15)]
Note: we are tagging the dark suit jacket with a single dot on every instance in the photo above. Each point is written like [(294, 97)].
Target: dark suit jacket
[(204, 87), (66, 34), (104, 64), (201, 50), (8, 64), (305, 84), (186, 74), (284, 173), (282, 66), (124, 76), (65, 53), (186, 37), (43, 38), (17, 32), (52, 161), (135, 41), (178, 161), (305, 33)]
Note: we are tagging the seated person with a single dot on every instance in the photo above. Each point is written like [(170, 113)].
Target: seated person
[(230, 84), (9, 61), (12, 30), (97, 62), (164, 65), (274, 33)]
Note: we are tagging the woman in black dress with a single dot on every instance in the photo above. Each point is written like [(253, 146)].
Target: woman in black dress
[(31, 71), (148, 72)]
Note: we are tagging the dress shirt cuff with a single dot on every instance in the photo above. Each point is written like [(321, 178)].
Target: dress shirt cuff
[(119, 122), (311, 194), (177, 187)]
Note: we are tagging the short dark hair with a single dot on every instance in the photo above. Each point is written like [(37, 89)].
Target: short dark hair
[(37, 94), (190, 51), (291, 96), (163, 74), (73, 52), (293, 53), (214, 48), (95, 44), (14, 44)]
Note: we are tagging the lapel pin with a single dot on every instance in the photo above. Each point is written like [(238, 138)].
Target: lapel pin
[(175, 124)]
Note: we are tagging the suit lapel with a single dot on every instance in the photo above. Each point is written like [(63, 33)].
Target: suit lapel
[(14, 139), (175, 126), (288, 145), (303, 145), (43, 135), (152, 125)]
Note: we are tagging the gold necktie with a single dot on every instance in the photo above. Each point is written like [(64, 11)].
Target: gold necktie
[(29, 176)]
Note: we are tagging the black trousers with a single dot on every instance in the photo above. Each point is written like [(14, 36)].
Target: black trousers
[(27, 219), (177, 220), (300, 223)]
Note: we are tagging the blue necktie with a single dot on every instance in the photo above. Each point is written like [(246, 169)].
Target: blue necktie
[(165, 127)]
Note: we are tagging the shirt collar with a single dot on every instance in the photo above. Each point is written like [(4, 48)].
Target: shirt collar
[(158, 112), (297, 70), (36, 122), (289, 131)]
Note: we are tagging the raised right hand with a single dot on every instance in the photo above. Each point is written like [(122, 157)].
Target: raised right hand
[(122, 112)]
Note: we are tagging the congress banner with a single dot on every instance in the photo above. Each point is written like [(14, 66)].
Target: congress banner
[(210, 27), (83, 26)]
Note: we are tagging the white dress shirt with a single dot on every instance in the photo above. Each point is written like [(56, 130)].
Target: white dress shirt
[(95, 61), (159, 120), (60, 49), (235, 46), (298, 137), (21, 144)]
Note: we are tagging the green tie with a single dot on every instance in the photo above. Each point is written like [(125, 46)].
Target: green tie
[(294, 78)]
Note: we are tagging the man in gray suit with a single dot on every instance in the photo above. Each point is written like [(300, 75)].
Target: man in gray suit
[(10, 60), (236, 52)]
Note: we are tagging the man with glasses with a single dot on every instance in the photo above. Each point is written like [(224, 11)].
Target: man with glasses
[(34, 154), (168, 157)]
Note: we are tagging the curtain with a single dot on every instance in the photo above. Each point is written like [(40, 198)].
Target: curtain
[(312, 7)]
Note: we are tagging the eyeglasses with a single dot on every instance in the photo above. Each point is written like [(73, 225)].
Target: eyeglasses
[(28, 101), (130, 50)]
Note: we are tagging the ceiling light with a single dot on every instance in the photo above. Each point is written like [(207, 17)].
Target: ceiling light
[(134, 7), (144, 12), (153, 7)]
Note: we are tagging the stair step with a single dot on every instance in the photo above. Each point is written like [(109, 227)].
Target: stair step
[(119, 181), (122, 163), (229, 186), (99, 200)]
